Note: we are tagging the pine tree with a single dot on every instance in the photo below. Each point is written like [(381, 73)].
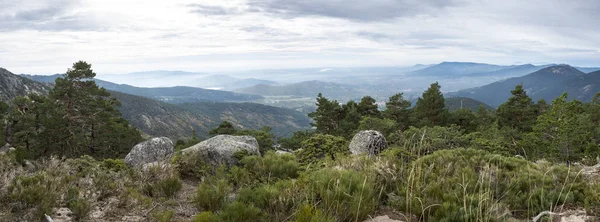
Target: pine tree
[(563, 133), (518, 112), (82, 118), (430, 109), (327, 116), (368, 107), (398, 109), (349, 124)]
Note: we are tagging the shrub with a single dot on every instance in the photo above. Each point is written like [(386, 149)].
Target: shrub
[(160, 180), (473, 185), (237, 211), (206, 216), (345, 195), (425, 140), (164, 216), (38, 191), (272, 166), (322, 146), (79, 206), (212, 194), (307, 213), (191, 165), (114, 164)]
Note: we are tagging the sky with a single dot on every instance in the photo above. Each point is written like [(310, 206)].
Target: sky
[(122, 36)]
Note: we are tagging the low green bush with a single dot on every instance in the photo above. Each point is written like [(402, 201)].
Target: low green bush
[(240, 212), (212, 195), (163, 216), (345, 195), (474, 185), (191, 165), (38, 191), (321, 146), (272, 166)]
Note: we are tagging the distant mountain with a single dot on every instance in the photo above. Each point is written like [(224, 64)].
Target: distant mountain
[(582, 88), (449, 69), (226, 82), (307, 89), (177, 94), (588, 69), (546, 84), (176, 121), (158, 118), (455, 103), (12, 85)]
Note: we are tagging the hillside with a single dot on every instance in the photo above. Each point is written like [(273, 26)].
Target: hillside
[(455, 103), (306, 89), (12, 85), (158, 118), (546, 84), (176, 94)]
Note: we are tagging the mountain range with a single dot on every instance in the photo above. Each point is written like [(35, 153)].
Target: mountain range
[(158, 118), (307, 89), (547, 83), (176, 94)]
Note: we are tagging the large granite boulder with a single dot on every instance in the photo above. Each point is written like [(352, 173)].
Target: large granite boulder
[(370, 142), (221, 149), (152, 150)]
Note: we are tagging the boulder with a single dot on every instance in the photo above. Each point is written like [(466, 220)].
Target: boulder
[(370, 142), (152, 150), (6, 148), (221, 149)]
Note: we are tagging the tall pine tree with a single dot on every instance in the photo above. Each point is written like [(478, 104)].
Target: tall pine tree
[(398, 109), (430, 109), (519, 112)]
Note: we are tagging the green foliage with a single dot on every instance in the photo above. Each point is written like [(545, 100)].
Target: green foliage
[(77, 118), (473, 185), (294, 142), (207, 216), (368, 107), (430, 108), (518, 112), (272, 166), (114, 164), (38, 191), (398, 109), (385, 126), (225, 128), (465, 119), (160, 181), (237, 211), (307, 213), (264, 137), (327, 116), (563, 133), (191, 165), (343, 194), (212, 194), (322, 146), (164, 216), (79, 206), (426, 140)]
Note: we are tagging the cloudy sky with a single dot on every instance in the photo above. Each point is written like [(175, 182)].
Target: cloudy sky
[(120, 36)]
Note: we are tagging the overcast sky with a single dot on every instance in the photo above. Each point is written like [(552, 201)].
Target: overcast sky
[(120, 36)]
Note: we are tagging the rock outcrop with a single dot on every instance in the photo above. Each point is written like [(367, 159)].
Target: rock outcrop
[(221, 149), (6, 148), (152, 150), (370, 142)]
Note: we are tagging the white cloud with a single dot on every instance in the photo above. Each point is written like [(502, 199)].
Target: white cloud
[(119, 36)]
